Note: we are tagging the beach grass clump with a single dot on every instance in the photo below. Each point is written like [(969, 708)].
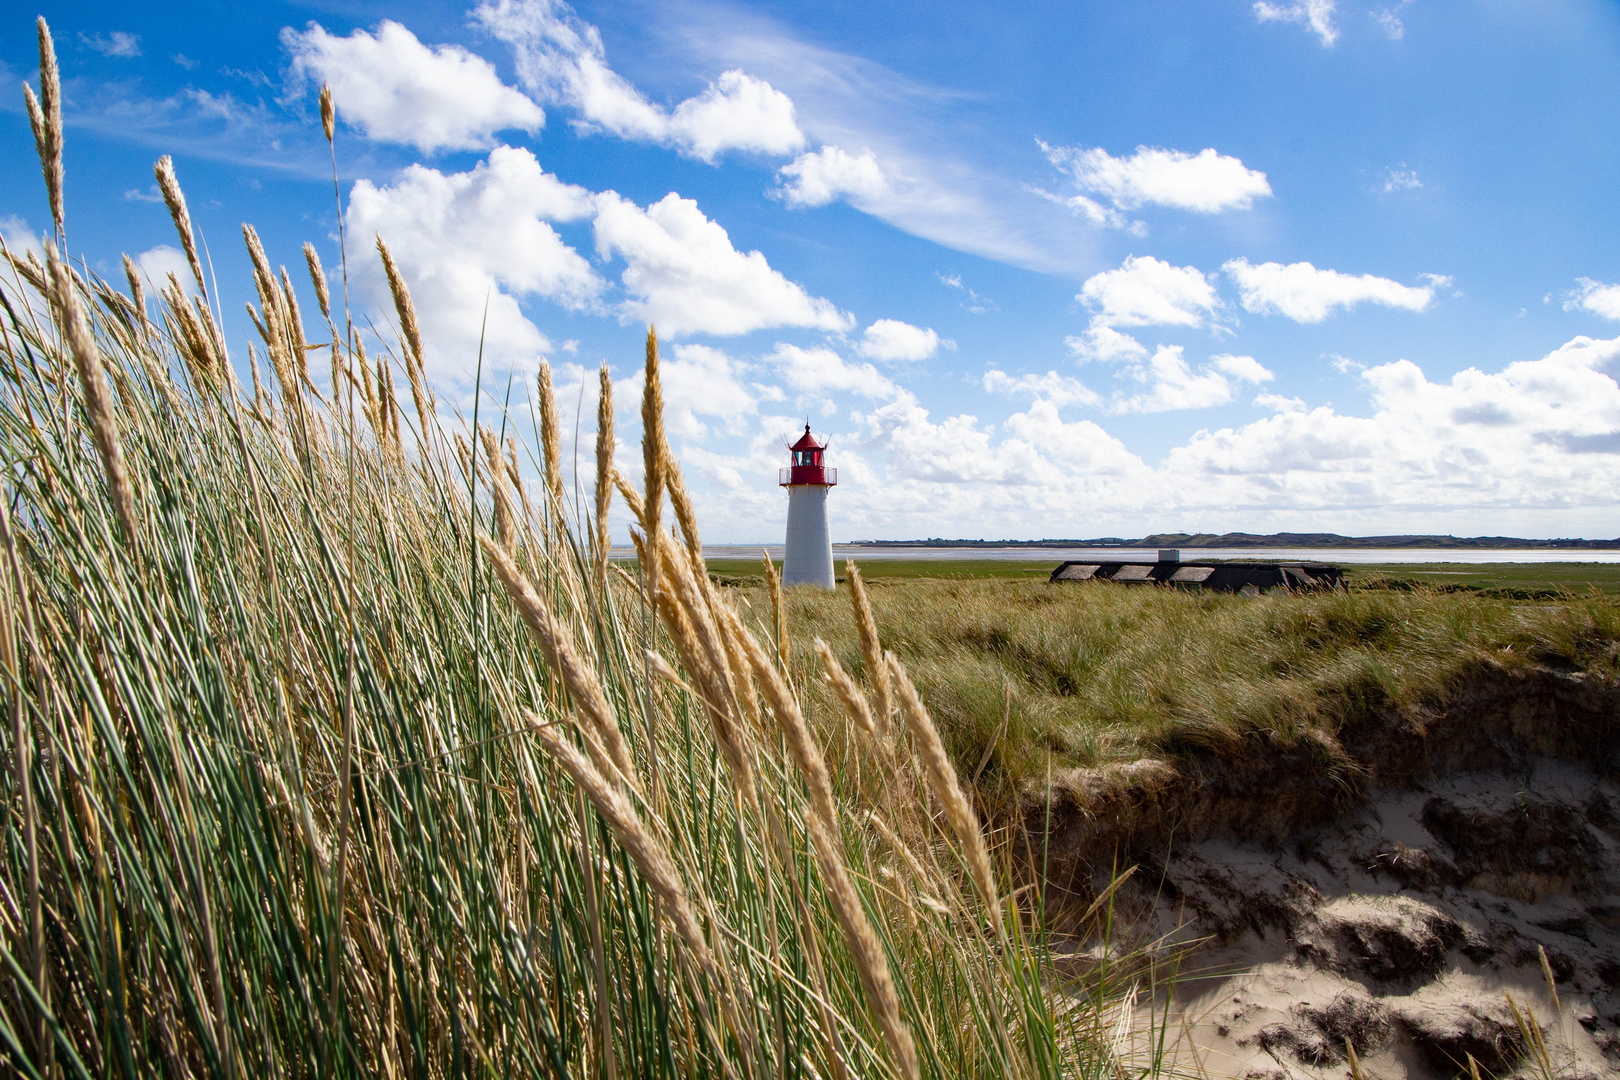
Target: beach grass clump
[(329, 752), (1025, 678)]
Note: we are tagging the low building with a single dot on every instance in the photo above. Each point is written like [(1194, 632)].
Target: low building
[(1250, 578)]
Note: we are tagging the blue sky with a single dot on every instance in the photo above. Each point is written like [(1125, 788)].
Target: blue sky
[(1064, 270)]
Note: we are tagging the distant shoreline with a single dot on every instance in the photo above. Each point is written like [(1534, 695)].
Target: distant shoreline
[(1269, 540)]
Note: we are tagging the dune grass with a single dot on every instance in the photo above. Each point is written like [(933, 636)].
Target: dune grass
[(335, 747), (1098, 673)]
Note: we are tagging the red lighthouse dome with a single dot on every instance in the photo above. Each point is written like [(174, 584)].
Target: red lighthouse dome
[(808, 467)]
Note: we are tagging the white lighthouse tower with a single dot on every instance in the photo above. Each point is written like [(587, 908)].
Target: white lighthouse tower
[(809, 558)]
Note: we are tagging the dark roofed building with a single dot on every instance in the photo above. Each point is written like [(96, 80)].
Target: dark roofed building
[(1238, 577)]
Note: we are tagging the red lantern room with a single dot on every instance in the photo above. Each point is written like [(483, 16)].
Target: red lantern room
[(807, 468)]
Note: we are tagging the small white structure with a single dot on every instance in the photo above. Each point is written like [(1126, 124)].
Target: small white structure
[(809, 558)]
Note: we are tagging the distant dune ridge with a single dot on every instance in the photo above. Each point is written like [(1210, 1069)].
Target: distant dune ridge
[(1268, 540)]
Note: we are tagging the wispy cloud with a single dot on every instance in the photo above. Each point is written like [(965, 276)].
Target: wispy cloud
[(117, 43), (1400, 178)]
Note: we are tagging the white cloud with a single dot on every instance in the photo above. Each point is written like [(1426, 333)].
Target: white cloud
[(1104, 343), (1146, 291), (684, 276), (463, 238), (1317, 15), (1308, 295), (118, 43), (561, 59), (891, 339), (1206, 182), (19, 238), (1094, 212), (703, 381), (1532, 448), (1595, 297), (736, 112), (396, 89), (1060, 390), (156, 264), (1242, 368), (820, 371), (1389, 20), (819, 177), (976, 304), (1538, 435), (1400, 178), (1171, 384)]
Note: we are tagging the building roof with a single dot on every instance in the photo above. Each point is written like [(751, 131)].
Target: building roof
[(807, 441), (1220, 577)]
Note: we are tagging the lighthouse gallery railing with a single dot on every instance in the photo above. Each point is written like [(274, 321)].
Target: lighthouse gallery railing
[(806, 474)]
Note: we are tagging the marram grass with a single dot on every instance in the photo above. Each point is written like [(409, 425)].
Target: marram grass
[(325, 755)]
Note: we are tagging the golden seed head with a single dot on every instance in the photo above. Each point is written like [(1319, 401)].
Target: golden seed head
[(604, 468), (328, 113), (317, 275), (175, 199), (46, 118)]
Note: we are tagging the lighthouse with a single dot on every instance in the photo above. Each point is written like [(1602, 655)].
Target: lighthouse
[(809, 543)]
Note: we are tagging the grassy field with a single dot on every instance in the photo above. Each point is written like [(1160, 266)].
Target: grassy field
[(1099, 673)]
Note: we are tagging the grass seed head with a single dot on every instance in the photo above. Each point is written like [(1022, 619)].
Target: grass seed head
[(137, 292), (175, 199), (871, 647), (45, 116), (942, 778), (97, 394), (550, 443), (328, 113), (652, 859), (849, 694), (403, 305), (604, 468), (652, 453), (317, 275)]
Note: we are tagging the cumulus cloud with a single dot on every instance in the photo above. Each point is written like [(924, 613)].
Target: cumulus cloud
[(1532, 447), (19, 238), (396, 89), (1315, 15), (703, 382), (891, 339), (156, 264), (1540, 434), (1104, 343), (684, 276), (118, 43), (1058, 389), (463, 238), (1169, 383), (1595, 297), (819, 371), (1308, 295), (560, 58), (1205, 183), (820, 177), (1146, 291)]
